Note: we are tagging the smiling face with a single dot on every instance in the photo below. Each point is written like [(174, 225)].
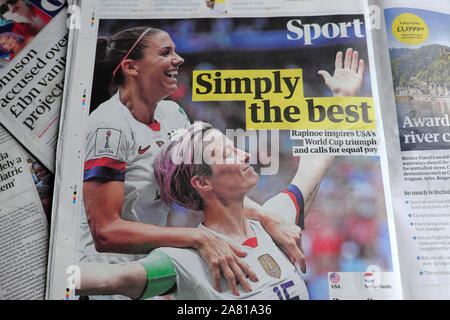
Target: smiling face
[(9, 43), (232, 176), (199, 165), (157, 70)]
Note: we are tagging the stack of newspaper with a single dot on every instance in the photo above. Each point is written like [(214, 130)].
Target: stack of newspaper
[(361, 85), (33, 44)]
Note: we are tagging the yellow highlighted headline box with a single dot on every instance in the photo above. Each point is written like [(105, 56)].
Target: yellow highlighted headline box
[(274, 100)]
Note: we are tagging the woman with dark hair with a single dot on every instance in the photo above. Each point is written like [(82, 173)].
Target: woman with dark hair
[(218, 187), (125, 133), (124, 212)]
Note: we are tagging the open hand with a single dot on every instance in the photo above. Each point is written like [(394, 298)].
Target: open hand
[(347, 79), (223, 257)]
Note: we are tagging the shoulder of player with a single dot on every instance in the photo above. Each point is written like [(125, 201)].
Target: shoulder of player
[(169, 109), (109, 114), (108, 110)]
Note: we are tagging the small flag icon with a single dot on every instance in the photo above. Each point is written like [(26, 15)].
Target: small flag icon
[(369, 277), (335, 278)]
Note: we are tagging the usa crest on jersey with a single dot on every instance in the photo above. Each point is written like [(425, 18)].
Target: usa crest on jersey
[(270, 266)]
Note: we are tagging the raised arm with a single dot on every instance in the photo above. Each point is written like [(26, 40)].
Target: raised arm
[(309, 175)]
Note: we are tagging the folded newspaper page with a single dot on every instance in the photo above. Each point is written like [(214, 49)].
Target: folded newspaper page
[(33, 42), (32, 59), (417, 47), (296, 87), (26, 188)]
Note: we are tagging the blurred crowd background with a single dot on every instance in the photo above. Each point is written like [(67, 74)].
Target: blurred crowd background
[(346, 229)]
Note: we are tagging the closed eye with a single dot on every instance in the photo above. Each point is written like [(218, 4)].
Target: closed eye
[(229, 152)]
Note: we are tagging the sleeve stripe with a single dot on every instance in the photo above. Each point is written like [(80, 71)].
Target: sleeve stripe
[(105, 168), (104, 173), (105, 162), (297, 198)]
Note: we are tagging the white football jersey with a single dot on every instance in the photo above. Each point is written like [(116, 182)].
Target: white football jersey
[(120, 148), (278, 277)]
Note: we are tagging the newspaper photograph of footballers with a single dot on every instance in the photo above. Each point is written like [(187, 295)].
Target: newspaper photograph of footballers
[(146, 84), (217, 185)]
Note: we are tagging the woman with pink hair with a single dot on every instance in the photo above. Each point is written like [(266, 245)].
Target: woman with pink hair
[(131, 120), (124, 217), (217, 184)]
